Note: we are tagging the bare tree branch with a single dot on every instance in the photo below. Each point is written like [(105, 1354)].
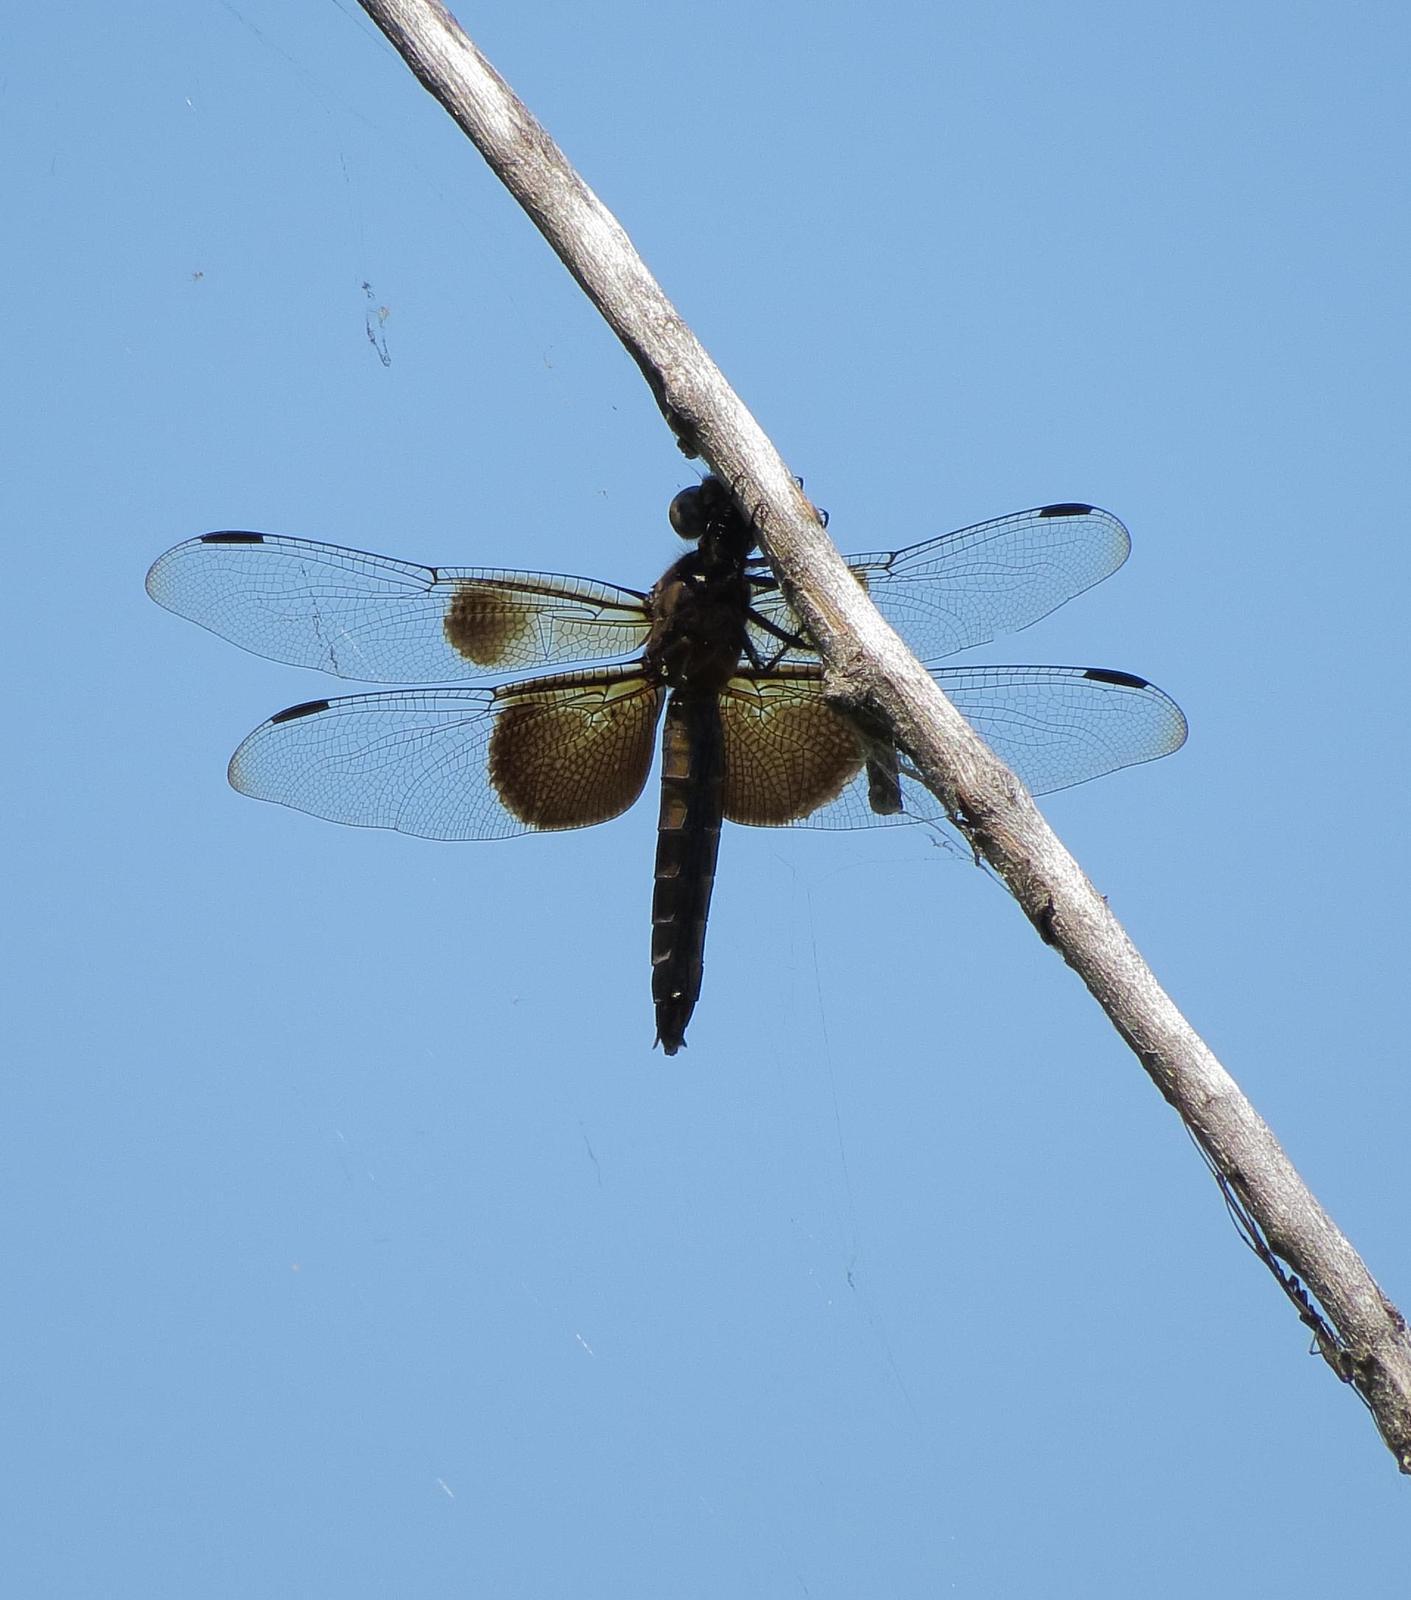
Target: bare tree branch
[(1359, 1331)]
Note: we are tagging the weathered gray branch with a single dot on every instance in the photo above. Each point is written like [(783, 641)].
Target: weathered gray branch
[(1367, 1344)]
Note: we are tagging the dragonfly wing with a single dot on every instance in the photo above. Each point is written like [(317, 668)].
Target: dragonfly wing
[(1055, 726), (383, 621), (548, 753), (968, 587)]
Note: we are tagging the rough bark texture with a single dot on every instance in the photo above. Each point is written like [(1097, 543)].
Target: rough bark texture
[(1359, 1331)]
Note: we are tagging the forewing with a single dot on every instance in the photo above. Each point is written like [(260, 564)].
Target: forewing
[(382, 621), (558, 752), (1055, 726), (968, 587)]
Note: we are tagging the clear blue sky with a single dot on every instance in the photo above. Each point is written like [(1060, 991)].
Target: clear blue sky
[(357, 1243)]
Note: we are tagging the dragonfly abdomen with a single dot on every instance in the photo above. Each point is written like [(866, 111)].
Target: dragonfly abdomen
[(688, 842)]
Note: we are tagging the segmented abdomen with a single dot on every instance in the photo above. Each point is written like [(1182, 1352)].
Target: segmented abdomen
[(688, 841)]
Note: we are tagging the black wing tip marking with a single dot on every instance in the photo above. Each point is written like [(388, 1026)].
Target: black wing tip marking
[(231, 536), (1067, 508), (309, 708), (1125, 680), (1177, 727)]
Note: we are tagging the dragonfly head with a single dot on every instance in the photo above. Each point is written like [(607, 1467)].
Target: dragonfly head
[(703, 508), (706, 513)]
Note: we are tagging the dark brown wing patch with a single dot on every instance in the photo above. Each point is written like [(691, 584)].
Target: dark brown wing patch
[(569, 754), (787, 751), (486, 624)]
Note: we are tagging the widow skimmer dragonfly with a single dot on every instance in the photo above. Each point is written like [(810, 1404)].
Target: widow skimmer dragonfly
[(748, 734)]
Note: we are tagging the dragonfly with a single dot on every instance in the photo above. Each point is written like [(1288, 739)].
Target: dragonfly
[(712, 653)]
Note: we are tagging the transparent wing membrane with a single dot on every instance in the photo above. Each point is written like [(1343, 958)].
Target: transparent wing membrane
[(976, 584), (382, 621), (1055, 726), (559, 752)]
